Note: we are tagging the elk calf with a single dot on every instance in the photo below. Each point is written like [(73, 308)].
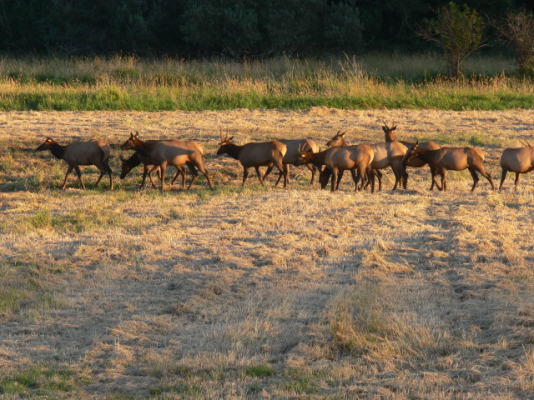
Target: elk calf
[(520, 161), (451, 158), (256, 155), (81, 153)]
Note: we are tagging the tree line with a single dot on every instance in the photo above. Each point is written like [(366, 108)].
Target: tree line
[(226, 28)]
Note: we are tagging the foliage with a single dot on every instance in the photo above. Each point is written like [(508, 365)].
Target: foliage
[(518, 31), (236, 28), (458, 32)]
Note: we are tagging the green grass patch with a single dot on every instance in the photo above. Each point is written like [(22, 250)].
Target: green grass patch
[(371, 81), (41, 381), (260, 371)]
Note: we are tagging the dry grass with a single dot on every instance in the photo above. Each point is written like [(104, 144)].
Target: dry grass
[(262, 292)]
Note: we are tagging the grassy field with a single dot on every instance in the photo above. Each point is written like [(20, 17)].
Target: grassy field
[(263, 292), (392, 81)]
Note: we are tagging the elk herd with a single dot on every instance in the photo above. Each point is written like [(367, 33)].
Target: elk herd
[(364, 161)]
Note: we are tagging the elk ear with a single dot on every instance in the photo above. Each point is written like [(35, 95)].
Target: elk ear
[(342, 133), (136, 134), (230, 139)]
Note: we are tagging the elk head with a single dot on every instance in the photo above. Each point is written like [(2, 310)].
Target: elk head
[(389, 131), (413, 152), (224, 143), (47, 144), (131, 142), (338, 140)]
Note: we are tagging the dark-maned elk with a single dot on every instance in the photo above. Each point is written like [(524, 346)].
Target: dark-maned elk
[(518, 160), (256, 155), (391, 136), (454, 159), (81, 153), (385, 155), (136, 159), (357, 159), (294, 149), (168, 152)]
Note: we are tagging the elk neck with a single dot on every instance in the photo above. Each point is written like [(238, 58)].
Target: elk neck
[(233, 150), (58, 150)]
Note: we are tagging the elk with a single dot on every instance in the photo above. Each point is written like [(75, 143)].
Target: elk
[(518, 160), (451, 158), (136, 159), (391, 136), (256, 155), (161, 153), (358, 159), (81, 153), (294, 149), (385, 154)]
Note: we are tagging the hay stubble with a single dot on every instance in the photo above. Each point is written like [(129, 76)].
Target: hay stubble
[(263, 292)]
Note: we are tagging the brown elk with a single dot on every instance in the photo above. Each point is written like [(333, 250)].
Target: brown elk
[(256, 155), (451, 158), (136, 159), (518, 160), (388, 154), (168, 152), (391, 136), (294, 149), (357, 159), (81, 153)]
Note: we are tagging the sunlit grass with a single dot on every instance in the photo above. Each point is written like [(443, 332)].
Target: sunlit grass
[(373, 81)]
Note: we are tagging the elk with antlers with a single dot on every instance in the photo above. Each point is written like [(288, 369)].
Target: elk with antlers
[(518, 160), (256, 155), (161, 153), (451, 158), (81, 153)]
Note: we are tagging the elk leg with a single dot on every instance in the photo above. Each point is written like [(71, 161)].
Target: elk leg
[(443, 174), (475, 178), (313, 170), (335, 180), (284, 170), (149, 173), (269, 169), (162, 172), (355, 178), (371, 175), (339, 175), (102, 173), (433, 174), (69, 170), (110, 173), (179, 171), (245, 175), (205, 173), (487, 176), (258, 172), (516, 180), (503, 177), (79, 173)]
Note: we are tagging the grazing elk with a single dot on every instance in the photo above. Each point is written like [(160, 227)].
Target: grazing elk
[(391, 136), (358, 159), (136, 159), (161, 153), (388, 154), (294, 149), (519, 160), (81, 153), (451, 158), (256, 155)]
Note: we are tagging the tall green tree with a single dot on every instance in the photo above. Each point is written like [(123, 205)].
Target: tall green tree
[(458, 31)]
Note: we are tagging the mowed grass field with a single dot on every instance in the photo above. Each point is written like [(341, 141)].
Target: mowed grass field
[(262, 292)]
